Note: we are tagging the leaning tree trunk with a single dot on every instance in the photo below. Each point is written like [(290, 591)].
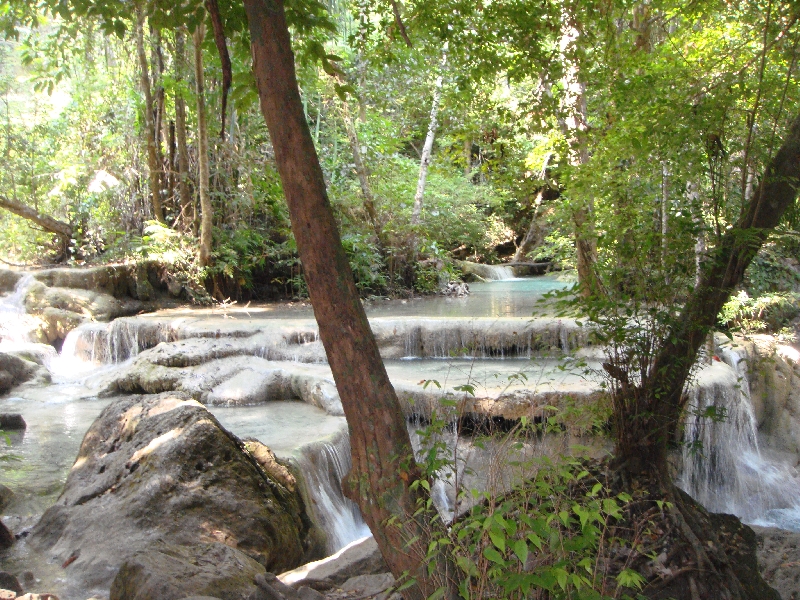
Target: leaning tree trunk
[(427, 149), (153, 166), (59, 228), (663, 400), (383, 466), (206, 222)]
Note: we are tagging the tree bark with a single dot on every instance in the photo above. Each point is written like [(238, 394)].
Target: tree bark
[(383, 465), (206, 222), (61, 229), (362, 172), (536, 233), (573, 126), (427, 149), (188, 210), (651, 418), (225, 60), (149, 119)]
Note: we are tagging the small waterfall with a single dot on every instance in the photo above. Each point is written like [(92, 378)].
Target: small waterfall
[(16, 326), (323, 465), (115, 342), (722, 465), (499, 340), (499, 273)]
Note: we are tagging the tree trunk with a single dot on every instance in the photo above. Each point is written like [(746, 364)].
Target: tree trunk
[(362, 172), (206, 222), (427, 149), (537, 232), (661, 401), (383, 465), (188, 210), (61, 229), (573, 126), (149, 119), (467, 156)]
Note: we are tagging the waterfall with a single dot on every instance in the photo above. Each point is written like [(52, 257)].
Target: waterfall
[(16, 326), (499, 273), (722, 465), (115, 342), (323, 465)]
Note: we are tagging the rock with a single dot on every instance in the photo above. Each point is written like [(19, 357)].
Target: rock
[(8, 280), (270, 463), (362, 557), (246, 387), (38, 597), (15, 370), (9, 582), (369, 585), (162, 468), (12, 422), (307, 593), (171, 571), (6, 496), (779, 560), (28, 578), (6, 537), (7, 594)]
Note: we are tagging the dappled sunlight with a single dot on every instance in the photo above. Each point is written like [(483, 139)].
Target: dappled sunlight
[(154, 445)]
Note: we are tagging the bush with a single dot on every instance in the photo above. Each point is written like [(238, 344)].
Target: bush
[(766, 313)]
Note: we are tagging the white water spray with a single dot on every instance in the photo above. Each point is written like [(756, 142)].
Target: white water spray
[(722, 465)]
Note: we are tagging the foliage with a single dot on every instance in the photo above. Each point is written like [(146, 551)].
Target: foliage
[(768, 312), (545, 536)]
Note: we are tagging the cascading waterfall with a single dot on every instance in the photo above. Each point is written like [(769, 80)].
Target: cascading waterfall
[(490, 341), (16, 325), (500, 272), (323, 465), (722, 464), (115, 342)]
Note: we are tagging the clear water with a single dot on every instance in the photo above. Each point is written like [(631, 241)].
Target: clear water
[(283, 426)]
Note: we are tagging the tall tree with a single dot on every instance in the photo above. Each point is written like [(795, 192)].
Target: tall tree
[(153, 165), (427, 148), (187, 207), (380, 481), (206, 210)]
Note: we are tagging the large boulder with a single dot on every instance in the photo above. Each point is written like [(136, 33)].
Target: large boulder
[(161, 468), (169, 571)]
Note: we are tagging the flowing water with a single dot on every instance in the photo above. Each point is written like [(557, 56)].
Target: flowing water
[(485, 340), (723, 466)]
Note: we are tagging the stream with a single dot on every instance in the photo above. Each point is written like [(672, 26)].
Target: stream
[(487, 340)]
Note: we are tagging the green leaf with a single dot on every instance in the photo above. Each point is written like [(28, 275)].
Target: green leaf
[(493, 555), (521, 550), (499, 540)]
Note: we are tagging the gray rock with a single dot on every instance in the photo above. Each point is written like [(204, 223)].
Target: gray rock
[(171, 571), (12, 422), (6, 497), (361, 558), (369, 585), (9, 582), (162, 468), (6, 537), (15, 370), (248, 386), (778, 553), (307, 593)]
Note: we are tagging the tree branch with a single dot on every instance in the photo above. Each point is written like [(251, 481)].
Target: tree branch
[(46, 222), (400, 25), (222, 48)]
